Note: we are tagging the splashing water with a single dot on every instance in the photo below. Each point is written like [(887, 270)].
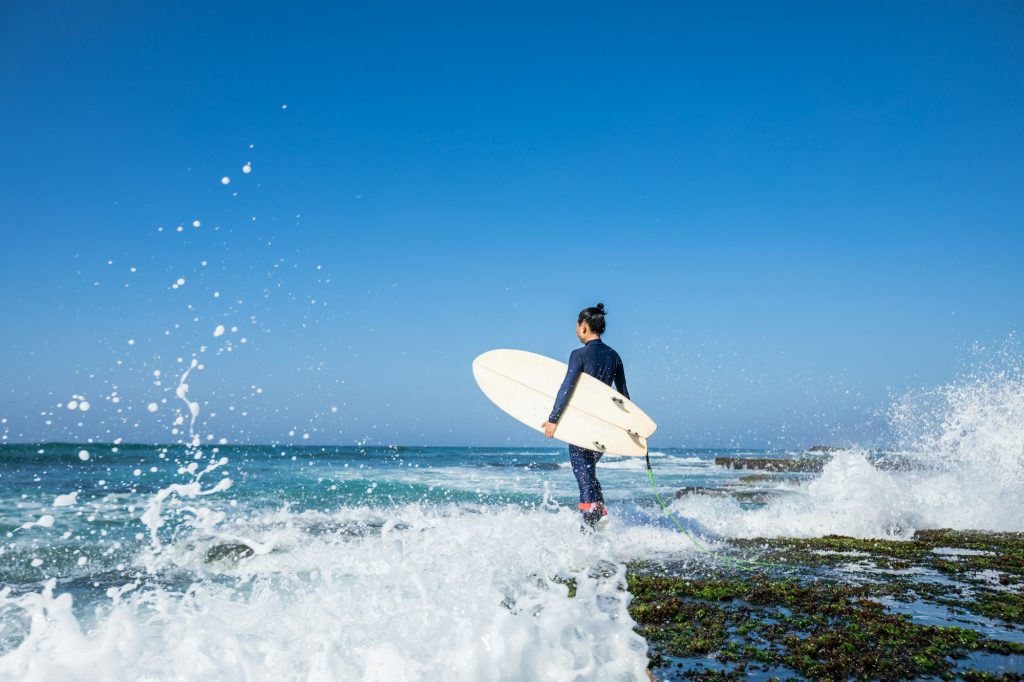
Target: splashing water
[(413, 593), (193, 407), (962, 454), (410, 590)]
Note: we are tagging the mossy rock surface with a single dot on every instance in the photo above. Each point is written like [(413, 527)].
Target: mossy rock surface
[(805, 614)]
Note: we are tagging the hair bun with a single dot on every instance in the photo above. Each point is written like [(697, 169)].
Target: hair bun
[(600, 308)]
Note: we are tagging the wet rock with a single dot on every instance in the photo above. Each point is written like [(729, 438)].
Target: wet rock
[(805, 609), (891, 461), (230, 552), (758, 478), (701, 490), (801, 464), (739, 494)]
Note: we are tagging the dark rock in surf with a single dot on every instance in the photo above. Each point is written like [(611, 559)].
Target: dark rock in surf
[(759, 478), (807, 464), (738, 494), (229, 552)]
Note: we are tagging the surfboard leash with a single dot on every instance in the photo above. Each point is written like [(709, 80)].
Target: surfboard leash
[(739, 562)]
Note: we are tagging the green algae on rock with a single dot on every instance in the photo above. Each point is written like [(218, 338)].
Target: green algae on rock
[(983, 572), (826, 623)]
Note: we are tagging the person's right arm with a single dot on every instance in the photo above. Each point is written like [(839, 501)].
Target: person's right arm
[(572, 375)]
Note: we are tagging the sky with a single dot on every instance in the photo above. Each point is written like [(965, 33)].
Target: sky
[(793, 212)]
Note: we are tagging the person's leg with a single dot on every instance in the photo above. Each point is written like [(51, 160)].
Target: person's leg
[(598, 493), (599, 511), (584, 467)]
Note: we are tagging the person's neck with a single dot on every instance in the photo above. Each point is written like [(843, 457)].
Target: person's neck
[(590, 337)]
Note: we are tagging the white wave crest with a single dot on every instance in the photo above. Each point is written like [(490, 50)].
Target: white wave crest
[(443, 593), (964, 450)]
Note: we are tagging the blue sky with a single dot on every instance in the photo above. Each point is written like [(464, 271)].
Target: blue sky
[(792, 212)]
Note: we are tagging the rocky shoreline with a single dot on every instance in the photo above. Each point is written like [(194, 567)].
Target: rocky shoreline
[(943, 605)]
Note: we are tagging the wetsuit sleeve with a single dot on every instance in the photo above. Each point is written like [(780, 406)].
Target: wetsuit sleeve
[(620, 380), (568, 384)]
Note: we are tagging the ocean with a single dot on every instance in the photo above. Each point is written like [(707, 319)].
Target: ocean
[(127, 561), (222, 561)]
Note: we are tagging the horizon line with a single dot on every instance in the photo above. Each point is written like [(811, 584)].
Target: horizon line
[(390, 446)]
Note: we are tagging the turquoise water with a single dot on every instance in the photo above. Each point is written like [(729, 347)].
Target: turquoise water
[(174, 562), (114, 485)]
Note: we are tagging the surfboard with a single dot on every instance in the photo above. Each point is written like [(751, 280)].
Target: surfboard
[(597, 417)]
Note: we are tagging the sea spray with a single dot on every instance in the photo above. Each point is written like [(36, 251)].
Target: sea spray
[(193, 407), (416, 593), (974, 426), (152, 517), (959, 464)]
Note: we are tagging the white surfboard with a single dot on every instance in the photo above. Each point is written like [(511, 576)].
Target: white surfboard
[(598, 417)]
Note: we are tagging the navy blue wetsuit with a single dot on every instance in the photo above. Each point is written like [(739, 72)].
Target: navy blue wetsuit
[(598, 360)]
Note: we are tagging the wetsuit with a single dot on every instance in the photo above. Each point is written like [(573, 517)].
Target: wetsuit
[(600, 361)]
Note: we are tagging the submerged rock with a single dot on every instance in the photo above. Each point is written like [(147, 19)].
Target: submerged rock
[(739, 494), (801, 464), (816, 462), (702, 490), (758, 478), (232, 552)]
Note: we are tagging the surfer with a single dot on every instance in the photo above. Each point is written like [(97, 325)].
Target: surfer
[(600, 361)]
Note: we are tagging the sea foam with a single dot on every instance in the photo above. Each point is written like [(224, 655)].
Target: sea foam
[(412, 593), (961, 466)]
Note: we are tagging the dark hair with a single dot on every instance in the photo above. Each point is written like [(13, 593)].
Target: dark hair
[(594, 317)]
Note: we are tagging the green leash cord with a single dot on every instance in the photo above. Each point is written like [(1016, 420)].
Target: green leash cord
[(741, 563)]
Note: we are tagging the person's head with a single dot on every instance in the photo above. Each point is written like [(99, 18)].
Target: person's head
[(590, 323)]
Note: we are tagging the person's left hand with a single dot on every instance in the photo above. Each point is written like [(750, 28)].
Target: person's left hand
[(549, 429)]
